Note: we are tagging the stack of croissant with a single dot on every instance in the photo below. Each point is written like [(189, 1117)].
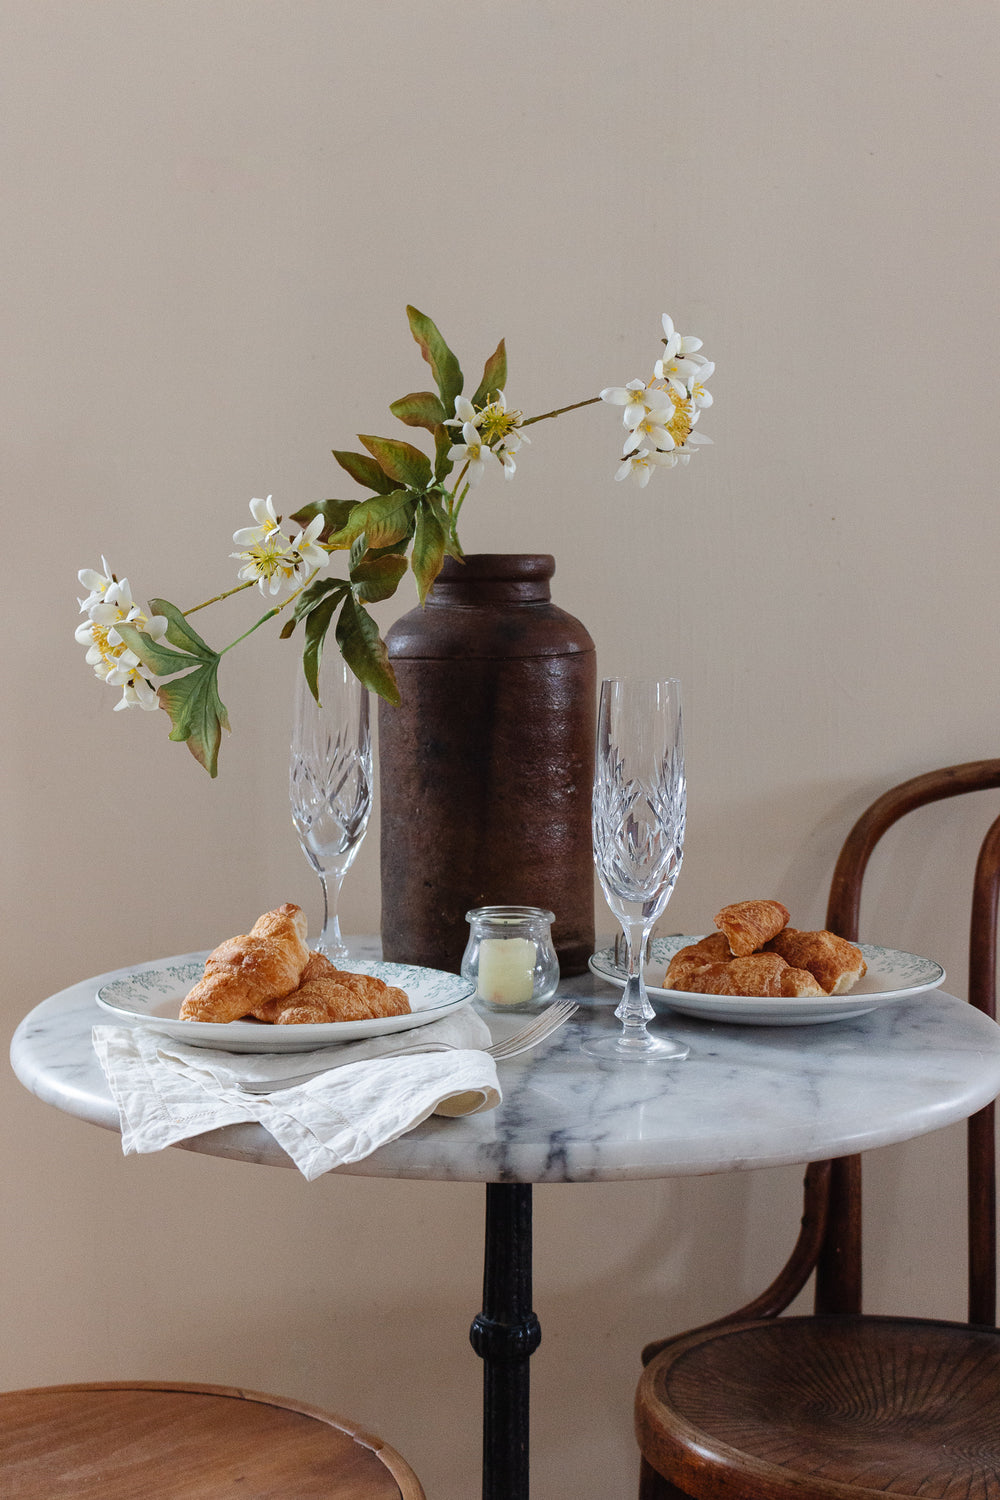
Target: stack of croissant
[(755, 952), (268, 974)]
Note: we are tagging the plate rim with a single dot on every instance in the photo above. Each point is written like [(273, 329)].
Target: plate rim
[(782, 1005)]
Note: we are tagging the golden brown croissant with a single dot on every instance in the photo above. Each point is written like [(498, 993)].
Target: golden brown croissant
[(327, 993), (262, 964), (750, 924), (713, 949), (835, 963), (761, 974)]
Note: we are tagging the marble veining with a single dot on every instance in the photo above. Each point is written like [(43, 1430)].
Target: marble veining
[(746, 1097)]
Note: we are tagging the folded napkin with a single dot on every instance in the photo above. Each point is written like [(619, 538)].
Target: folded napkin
[(167, 1091)]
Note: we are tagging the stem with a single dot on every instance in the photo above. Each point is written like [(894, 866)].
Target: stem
[(461, 502), (543, 416), (238, 589), (451, 498), (271, 614), (635, 1009)]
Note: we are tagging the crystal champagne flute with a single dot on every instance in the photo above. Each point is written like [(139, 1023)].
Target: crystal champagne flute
[(639, 811), (330, 783)]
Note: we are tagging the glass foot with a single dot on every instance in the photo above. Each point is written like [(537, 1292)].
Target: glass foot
[(642, 1048), (336, 952)]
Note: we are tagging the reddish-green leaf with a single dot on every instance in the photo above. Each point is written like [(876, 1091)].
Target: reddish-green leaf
[(401, 461), (428, 548), (420, 409), (365, 470), (384, 519), (197, 713), (376, 578), (446, 369), (494, 376)]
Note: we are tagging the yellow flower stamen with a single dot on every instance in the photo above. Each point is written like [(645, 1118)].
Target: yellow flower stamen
[(680, 423), (494, 423), (109, 653), (268, 555)]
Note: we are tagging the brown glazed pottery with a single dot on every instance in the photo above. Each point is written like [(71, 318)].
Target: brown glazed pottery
[(486, 766)]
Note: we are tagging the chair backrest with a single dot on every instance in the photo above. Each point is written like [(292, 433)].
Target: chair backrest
[(829, 1241), (838, 1286)]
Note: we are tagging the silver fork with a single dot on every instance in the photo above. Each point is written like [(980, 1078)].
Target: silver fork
[(529, 1036)]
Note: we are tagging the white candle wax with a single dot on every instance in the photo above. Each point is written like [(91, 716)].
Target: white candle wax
[(506, 970)]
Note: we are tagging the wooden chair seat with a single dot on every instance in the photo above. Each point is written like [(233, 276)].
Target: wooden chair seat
[(813, 1408), (170, 1441)]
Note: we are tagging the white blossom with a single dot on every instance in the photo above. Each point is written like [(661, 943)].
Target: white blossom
[(263, 514), (680, 360), (305, 554), (472, 451), (651, 433), (111, 604), (638, 399), (639, 466), (464, 412), (696, 387)]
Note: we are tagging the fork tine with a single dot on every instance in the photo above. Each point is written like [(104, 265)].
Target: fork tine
[(529, 1036)]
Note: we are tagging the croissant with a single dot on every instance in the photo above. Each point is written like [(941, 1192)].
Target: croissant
[(750, 924), (761, 974), (835, 963), (241, 973), (327, 993), (713, 949)]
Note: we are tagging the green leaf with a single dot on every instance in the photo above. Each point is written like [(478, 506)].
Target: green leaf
[(419, 409), (401, 461), (494, 376), (159, 659), (365, 651), (428, 548), (197, 713), (335, 515), (179, 632), (384, 519), (317, 625), (315, 593), (376, 578), (445, 367), (443, 440), (365, 470)]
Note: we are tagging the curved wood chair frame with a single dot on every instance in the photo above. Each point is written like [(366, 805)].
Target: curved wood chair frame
[(829, 1240)]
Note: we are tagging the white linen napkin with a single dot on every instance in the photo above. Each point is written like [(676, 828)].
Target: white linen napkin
[(167, 1091)]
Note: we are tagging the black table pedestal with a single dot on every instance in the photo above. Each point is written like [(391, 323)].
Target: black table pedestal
[(505, 1335)]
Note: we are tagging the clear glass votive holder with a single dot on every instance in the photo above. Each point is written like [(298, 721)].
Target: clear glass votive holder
[(510, 957)]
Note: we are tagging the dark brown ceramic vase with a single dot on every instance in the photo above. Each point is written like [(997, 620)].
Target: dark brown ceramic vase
[(486, 766)]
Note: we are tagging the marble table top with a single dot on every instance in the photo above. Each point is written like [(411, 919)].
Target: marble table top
[(746, 1097)]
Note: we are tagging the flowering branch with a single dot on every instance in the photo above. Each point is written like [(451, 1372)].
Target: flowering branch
[(408, 520)]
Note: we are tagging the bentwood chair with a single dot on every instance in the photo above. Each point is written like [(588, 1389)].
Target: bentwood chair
[(142, 1440), (839, 1406)]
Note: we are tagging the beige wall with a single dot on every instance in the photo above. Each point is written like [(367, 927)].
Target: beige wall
[(214, 215)]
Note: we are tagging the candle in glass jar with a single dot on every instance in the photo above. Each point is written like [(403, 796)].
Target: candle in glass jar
[(506, 970)]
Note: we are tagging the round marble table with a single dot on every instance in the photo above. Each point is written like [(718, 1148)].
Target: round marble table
[(745, 1097)]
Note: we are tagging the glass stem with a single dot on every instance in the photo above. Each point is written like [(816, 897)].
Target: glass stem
[(330, 941), (635, 1009)]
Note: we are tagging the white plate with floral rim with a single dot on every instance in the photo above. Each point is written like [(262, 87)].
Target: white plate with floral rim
[(892, 975), (152, 994)]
